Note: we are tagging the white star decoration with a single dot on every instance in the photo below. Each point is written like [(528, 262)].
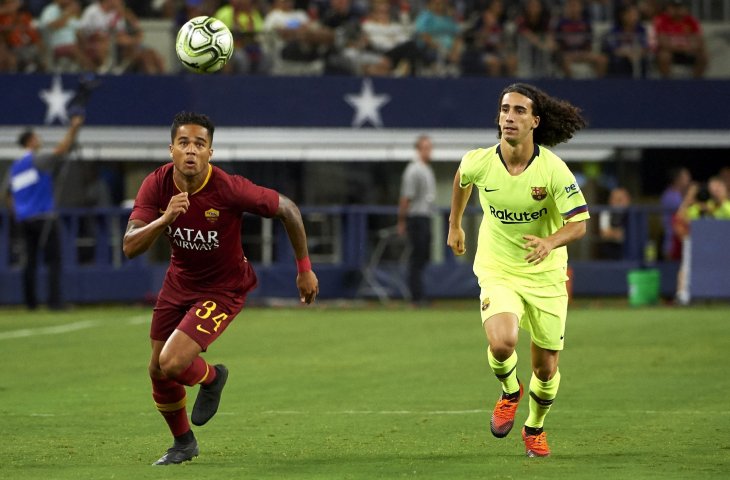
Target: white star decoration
[(367, 105), (56, 98)]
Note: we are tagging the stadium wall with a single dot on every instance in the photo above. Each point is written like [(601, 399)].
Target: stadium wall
[(311, 119), (356, 271)]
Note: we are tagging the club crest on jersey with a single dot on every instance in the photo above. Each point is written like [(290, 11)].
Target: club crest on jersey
[(539, 193), (485, 304), (212, 215)]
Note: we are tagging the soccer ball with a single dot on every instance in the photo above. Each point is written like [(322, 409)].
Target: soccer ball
[(204, 44)]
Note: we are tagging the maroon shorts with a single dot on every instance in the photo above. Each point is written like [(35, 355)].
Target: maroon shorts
[(202, 316)]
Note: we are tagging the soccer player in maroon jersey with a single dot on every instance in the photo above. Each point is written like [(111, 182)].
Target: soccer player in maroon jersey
[(198, 207)]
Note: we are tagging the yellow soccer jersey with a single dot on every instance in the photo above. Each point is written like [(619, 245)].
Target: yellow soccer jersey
[(537, 202)]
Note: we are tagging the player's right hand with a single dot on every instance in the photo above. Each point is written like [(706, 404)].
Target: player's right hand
[(308, 286), (456, 240), (178, 204)]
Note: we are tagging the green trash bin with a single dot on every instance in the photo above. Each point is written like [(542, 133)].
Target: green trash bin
[(643, 287)]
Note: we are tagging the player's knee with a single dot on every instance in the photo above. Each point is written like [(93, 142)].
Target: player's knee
[(171, 366), (544, 372), (502, 350)]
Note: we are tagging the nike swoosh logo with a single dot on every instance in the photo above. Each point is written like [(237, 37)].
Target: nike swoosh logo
[(492, 190), (201, 329)]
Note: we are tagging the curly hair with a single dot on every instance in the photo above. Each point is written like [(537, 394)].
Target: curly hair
[(191, 118), (559, 119)]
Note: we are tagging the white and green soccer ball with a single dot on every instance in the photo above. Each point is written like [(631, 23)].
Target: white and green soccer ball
[(204, 44)]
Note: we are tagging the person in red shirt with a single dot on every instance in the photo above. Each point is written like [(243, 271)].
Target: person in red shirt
[(679, 40), (21, 38), (199, 208)]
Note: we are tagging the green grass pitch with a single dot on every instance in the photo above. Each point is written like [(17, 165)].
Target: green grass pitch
[(379, 392)]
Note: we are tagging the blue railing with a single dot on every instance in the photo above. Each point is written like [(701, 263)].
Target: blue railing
[(355, 250)]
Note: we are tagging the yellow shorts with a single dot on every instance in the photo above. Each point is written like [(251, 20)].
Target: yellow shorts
[(540, 310)]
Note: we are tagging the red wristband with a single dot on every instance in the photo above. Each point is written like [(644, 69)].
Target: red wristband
[(304, 265)]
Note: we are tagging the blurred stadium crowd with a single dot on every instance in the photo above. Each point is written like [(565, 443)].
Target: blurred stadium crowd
[(526, 38)]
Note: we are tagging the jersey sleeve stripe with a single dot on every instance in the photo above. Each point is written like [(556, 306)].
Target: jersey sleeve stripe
[(575, 211)]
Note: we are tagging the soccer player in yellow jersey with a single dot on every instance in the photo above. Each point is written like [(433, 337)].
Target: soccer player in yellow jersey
[(533, 208)]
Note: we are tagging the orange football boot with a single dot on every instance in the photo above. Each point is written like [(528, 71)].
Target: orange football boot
[(536, 445), (503, 416)]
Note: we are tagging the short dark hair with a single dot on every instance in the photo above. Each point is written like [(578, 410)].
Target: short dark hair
[(559, 119), (674, 173), (25, 137), (192, 118), (420, 139)]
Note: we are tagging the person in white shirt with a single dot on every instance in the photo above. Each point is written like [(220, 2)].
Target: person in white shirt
[(59, 22), (101, 25), (415, 209)]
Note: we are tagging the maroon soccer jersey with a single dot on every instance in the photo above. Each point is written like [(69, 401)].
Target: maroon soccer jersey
[(206, 240)]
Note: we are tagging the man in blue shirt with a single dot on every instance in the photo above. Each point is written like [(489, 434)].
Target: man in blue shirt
[(31, 186)]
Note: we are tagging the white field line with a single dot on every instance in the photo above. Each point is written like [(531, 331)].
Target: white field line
[(69, 327), (399, 412), (140, 319), (32, 332), (479, 411)]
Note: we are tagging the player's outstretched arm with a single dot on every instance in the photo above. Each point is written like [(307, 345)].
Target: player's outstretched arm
[(64, 146), (459, 199), (291, 217), (140, 235)]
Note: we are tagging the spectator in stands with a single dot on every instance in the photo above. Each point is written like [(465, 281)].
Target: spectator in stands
[(190, 9), (391, 38), (700, 201), (415, 209), (246, 23), (102, 22), (355, 57), (145, 8), (724, 174), (535, 37), (59, 21), (649, 9), (340, 28), (601, 10), (719, 201), (291, 38), (574, 38), (679, 181), (7, 59), (437, 35), (679, 40), (34, 7), (486, 50), (472, 10), (627, 44), (612, 225), (31, 184), (133, 55), (21, 37)]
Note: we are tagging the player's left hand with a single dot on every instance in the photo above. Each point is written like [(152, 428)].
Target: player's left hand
[(308, 286), (539, 249)]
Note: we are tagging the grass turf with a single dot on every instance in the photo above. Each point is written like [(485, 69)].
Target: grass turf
[(368, 393)]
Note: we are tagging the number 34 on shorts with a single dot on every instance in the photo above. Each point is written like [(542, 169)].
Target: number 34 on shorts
[(211, 322)]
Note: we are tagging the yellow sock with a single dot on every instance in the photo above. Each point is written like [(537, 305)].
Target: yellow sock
[(542, 395), (506, 371)]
